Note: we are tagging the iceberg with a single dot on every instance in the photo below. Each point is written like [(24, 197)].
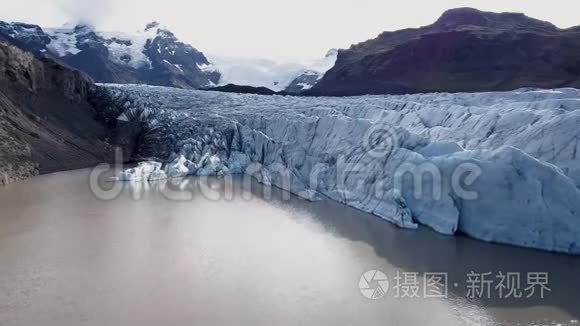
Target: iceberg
[(499, 167), (180, 167), (144, 171)]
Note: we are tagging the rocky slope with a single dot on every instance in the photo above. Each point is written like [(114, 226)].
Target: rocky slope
[(47, 122), (152, 56), (499, 167), (231, 88), (303, 82), (466, 50)]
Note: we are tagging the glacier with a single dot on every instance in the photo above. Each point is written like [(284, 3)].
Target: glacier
[(499, 167)]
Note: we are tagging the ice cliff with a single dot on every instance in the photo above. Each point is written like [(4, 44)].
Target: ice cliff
[(499, 167)]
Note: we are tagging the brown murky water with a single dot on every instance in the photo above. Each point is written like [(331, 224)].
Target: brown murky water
[(68, 258)]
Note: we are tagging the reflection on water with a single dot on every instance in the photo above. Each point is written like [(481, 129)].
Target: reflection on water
[(68, 258)]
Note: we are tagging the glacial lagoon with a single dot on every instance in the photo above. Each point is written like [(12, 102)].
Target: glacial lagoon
[(233, 254)]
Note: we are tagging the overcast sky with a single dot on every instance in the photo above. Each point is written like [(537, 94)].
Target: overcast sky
[(274, 29)]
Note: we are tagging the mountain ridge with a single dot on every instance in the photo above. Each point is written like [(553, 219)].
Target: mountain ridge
[(465, 50)]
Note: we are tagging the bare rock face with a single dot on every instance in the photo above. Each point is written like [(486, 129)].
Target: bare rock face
[(466, 50), (47, 122)]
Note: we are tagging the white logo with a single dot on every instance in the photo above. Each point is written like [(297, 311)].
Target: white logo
[(380, 140), (373, 284)]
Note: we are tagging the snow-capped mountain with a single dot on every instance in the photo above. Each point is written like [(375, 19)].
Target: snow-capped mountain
[(151, 56), (155, 56), (291, 77)]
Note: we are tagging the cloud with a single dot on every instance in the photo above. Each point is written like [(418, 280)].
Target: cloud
[(87, 12)]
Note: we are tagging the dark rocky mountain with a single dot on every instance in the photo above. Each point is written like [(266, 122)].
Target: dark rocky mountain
[(242, 89), (153, 56), (26, 36), (466, 50), (47, 120), (175, 63)]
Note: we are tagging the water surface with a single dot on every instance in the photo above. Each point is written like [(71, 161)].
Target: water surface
[(69, 258)]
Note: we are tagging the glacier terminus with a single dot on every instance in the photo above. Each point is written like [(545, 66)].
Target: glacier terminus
[(499, 167)]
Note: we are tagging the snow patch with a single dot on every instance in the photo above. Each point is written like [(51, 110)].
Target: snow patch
[(305, 86), (63, 42), (127, 49)]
